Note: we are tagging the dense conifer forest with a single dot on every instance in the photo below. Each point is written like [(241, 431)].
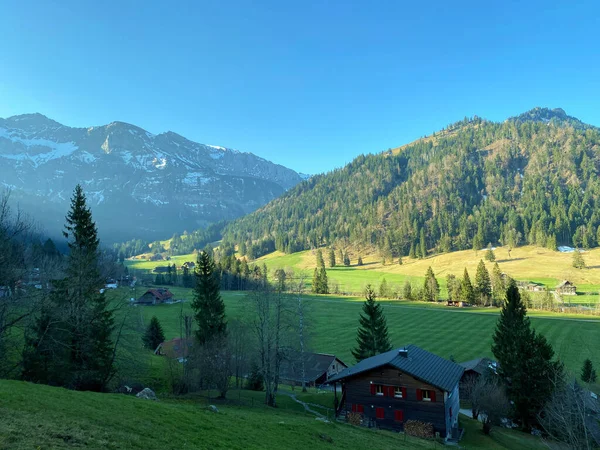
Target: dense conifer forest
[(531, 179)]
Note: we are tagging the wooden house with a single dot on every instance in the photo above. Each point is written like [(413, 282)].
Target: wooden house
[(404, 384), (314, 368), (155, 297), (566, 288)]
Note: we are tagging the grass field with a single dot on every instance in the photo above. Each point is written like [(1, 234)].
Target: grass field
[(526, 263), (42, 417), (460, 333)]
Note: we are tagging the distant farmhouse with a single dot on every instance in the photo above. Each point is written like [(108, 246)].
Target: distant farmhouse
[(566, 288), (318, 368), (155, 297), (475, 369), (188, 265), (178, 348), (406, 384)]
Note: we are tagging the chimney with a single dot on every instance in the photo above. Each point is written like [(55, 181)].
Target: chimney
[(403, 352)]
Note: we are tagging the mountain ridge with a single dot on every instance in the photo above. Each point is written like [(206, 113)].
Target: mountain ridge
[(475, 182), (134, 175)]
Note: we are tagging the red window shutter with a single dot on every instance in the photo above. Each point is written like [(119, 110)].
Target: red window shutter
[(419, 395), (399, 416), (353, 407), (379, 413), (404, 392), (360, 409), (372, 389), (432, 396)]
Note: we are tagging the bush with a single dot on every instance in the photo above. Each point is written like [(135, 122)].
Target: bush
[(419, 429)]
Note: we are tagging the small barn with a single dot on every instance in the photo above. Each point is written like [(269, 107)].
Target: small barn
[(566, 288), (155, 297), (473, 370), (178, 348), (317, 368)]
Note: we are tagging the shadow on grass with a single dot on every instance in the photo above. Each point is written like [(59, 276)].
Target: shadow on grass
[(509, 260)]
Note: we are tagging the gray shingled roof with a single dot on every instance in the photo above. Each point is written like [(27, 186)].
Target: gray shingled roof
[(315, 365), (479, 365), (419, 363)]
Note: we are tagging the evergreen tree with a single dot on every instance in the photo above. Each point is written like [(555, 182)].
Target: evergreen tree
[(331, 257), (384, 289), (188, 279), (578, 261), (400, 260), (453, 286), (372, 335), (316, 282), (411, 253), (588, 373), (208, 307), (483, 284), (323, 284), (320, 261), (70, 344), (489, 254), (422, 243), (524, 360), (360, 261), (498, 287), (154, 334), (467, 293), (50, 249), (346, 260), (407, 291), (431, 288)]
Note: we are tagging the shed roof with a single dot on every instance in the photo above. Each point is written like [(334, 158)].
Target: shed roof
[(479, 365), (565, 283), (315, 365), (421, 364)]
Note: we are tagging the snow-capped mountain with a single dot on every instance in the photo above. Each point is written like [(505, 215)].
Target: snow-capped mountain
[(138, 184)]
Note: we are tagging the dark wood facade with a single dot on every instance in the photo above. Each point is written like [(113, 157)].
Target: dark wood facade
[(387, 398)]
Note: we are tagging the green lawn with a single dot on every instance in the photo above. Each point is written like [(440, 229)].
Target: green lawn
[(449, 332)]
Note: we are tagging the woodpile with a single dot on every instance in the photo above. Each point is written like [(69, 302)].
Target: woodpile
[(354, 418), (419, 429)]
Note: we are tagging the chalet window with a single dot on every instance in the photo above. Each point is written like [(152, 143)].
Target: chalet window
[(358, 408), (399, 392), (426, 395), (399, 416), (379, 413), (378, 389)]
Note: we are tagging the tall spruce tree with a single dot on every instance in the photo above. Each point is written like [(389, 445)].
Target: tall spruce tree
[(498, 285), (422, 244), (483, 284), (154, 334), (320, 260), (467, 293), (588, 373), (578, 261), (323, 283), (346, 260), (372, 335), (431, 288), (70, 345), (489, 254), (331, 257), (525, 360), (209, 309), (315, 281)]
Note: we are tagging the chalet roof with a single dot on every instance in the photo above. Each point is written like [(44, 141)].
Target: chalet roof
[(479, 365), (160, 294), (175, 348), (419, 363), (315, 365), (564, 283)]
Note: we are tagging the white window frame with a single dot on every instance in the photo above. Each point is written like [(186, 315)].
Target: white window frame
[(379, 390), (428, 392), (398, 392)]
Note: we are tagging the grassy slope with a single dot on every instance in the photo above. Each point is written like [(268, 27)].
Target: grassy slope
[(463, 334), (526, 263), (43, 417)]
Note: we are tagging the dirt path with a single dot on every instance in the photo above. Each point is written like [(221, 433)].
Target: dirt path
[(306, 406)]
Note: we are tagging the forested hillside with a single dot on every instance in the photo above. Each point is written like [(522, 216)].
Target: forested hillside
[(531, 179)]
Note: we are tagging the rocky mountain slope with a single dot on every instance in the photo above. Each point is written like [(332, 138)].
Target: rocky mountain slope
[(138, 184)]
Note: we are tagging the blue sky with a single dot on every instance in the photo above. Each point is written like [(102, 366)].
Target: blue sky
[(308, 84)]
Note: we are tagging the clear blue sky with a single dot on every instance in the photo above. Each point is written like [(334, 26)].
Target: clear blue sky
[(307, 84)]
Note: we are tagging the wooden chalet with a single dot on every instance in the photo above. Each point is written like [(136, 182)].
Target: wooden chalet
[(155, 297), (404, 384), (317, 368), (566, 288)]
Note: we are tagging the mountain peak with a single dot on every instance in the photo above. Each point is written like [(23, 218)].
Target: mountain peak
[(33, 120), (556, 116)]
